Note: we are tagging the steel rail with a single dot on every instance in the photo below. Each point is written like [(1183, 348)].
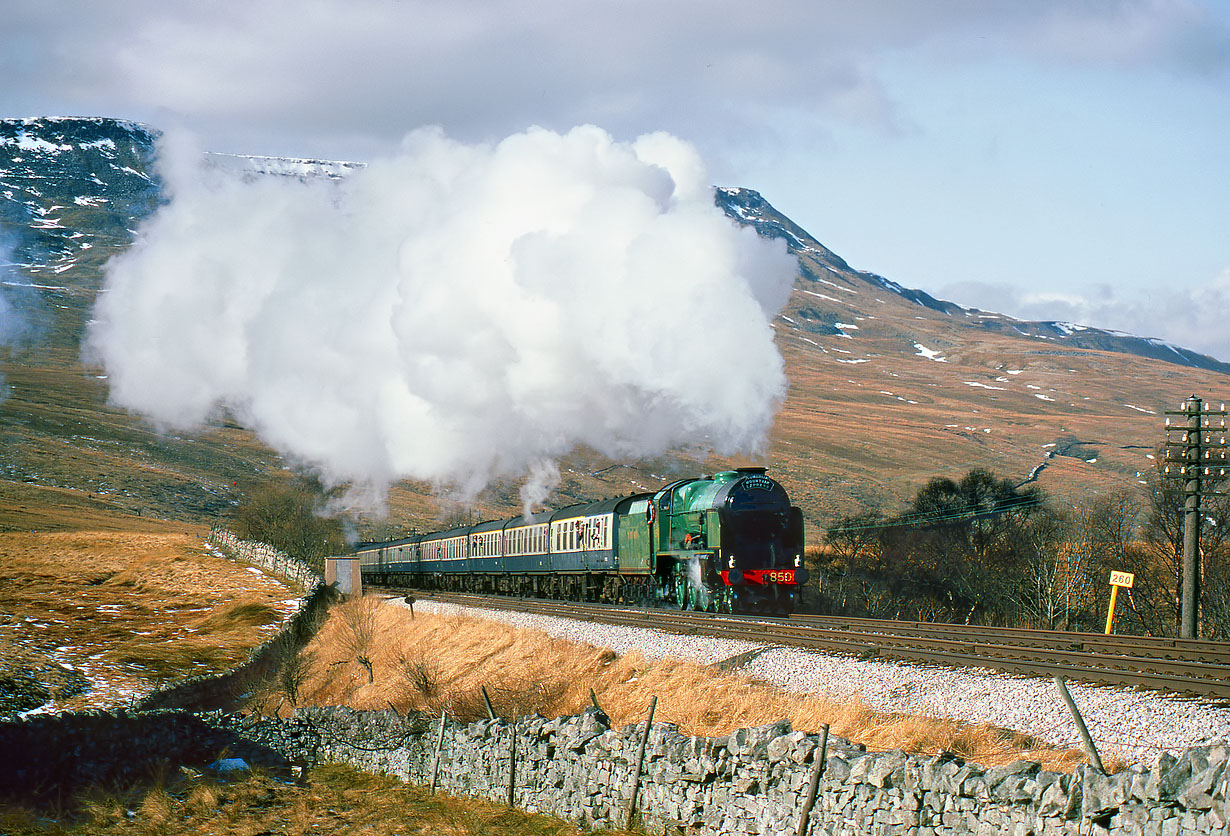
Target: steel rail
[(1034, 652), (1196, 650)]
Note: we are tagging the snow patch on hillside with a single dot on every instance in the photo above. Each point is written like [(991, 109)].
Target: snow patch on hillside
[(929, 353)]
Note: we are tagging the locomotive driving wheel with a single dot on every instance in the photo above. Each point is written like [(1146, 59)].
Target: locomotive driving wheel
[(680, 587), (694, 596)]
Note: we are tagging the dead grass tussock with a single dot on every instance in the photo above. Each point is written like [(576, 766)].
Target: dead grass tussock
[(434, 662), (240, 615)]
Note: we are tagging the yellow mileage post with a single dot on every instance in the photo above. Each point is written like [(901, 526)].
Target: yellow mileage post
[(1117, 579)]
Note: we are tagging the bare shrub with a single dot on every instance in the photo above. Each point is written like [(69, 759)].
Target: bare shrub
[(294, 673), (358, 637), (286, 514), (422, 673)]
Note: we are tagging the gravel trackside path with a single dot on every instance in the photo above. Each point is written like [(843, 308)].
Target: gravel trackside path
[(1134, 725)]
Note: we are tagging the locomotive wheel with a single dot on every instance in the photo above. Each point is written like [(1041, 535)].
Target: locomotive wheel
[(645, 593), (725, 600), (681, 587)]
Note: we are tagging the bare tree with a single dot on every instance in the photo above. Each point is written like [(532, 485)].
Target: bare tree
[(287, 513), (1162, 535), (1054, 570)]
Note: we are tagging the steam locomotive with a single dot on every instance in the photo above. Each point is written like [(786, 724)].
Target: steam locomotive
[(730, 542)]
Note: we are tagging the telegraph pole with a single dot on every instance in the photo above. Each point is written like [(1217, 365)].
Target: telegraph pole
[(1195, 453)]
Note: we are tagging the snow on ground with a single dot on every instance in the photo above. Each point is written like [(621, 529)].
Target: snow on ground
[(929, 353)]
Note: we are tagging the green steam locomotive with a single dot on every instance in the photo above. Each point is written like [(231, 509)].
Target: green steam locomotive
[(730, 542)]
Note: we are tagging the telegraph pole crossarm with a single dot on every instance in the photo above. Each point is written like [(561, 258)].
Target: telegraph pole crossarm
[(1195, 452)]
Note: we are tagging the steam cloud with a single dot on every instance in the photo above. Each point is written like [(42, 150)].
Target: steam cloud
[(456, 313), (17, 300)]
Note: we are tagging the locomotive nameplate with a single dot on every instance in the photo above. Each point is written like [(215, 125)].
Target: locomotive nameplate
[(757, 483)]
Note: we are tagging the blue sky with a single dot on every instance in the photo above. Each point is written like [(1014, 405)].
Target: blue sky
[(1054, 159)]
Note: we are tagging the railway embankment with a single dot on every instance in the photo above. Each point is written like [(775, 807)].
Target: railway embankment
[(751, 781)]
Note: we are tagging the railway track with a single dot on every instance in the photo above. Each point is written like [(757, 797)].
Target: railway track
[(1192, 667)]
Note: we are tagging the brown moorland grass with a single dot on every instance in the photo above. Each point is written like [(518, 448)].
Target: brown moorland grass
[(127, 610), (329, 799), (439, 662), (26, 507)]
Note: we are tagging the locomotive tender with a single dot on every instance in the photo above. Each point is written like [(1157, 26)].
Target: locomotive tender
[(730, 542)]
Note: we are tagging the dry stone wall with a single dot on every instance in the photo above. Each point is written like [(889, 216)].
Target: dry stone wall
[(754, 780), (273, 561)]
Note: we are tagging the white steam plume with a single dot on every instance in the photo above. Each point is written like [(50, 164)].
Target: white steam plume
[(18, 300), (457, 313)]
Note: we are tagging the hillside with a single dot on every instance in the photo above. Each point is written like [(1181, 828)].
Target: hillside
[(889, 386)]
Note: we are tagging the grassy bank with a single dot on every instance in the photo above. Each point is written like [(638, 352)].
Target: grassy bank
[(330, 799), (372, 656), (99, 608)]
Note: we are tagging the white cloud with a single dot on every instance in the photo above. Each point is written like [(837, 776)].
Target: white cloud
[(1193, 318), (359, 72)]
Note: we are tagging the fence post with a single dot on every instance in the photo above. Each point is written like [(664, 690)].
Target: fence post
[(512, 762), (1090, 749), (487, 702), (640, 762), (813, 786), (435, 769)]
